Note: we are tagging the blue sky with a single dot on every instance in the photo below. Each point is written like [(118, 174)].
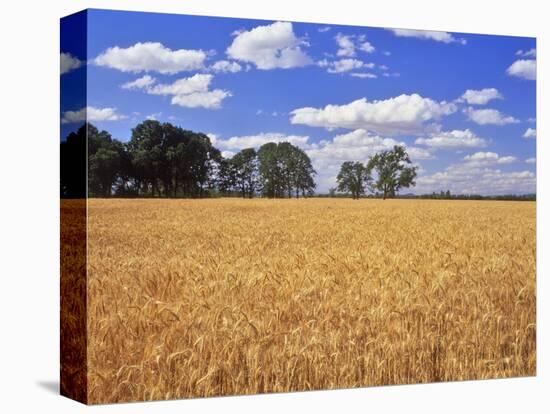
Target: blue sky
[(462, 104)]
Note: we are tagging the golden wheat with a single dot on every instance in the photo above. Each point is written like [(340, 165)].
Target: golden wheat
[(190, 298)]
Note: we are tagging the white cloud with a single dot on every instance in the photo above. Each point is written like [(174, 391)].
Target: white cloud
[(139, 83), (388, 75), (347, 45), (366, 47), (196, 83), (452, 140), (428, 35), (344, 65), (328, 155), (488, 158), (151, 57), (213, 137), (255, 141), (402, 114), (209, 99), (532, 53), (226, 66), (489, 117), (468, 178), (154, 117), (323, 29), (481, 96), (191, 92), (269, 47), (91, 114), (68, 62), (531, 160), (526, 69), (228, 154), (364, 75), (530, 133)]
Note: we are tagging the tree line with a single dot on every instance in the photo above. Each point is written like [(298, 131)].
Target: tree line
[(163, 160)]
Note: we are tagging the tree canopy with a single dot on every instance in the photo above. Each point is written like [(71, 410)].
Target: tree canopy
[(163, 160), (354, 177), (394, 171)]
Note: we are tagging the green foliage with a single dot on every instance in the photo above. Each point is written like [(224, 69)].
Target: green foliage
[(354, 178), (164, 160), (394, 171), (285, 170)]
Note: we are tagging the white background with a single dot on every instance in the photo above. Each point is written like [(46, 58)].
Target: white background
[(29, 218)]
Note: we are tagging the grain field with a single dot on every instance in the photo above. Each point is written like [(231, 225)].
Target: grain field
[(192, 298)]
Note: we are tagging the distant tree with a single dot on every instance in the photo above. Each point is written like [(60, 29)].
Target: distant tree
[(226, 179), (73, 164), (285, 170), (394, 171), (270, 170), (105, 161), (448, 194), (332, 192), (245, 167), (304, 172), (167, 159), (353, 178)]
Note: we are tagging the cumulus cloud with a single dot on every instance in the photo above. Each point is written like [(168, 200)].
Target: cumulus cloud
[(139, 83), (489, 117), (468, 178), (91, 114), (531, 53), (68, 63), (364, 75), (347, 45), (208, 99), (255, 141), (488, 158), (226, 66), (481, 96), (523, 68), (531, 160), (196, 83), (151, 57), (402, 114), (530, 133), (154, 117), (454, 139), (428, 35), (323, 29), (328, 155), (344, 65), (269, 47), (191, 92)]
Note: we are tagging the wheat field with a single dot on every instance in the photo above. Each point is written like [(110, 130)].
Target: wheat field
[(192, 298)]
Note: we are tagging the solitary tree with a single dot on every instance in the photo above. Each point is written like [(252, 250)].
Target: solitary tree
[(354, 177), (394, 171)]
